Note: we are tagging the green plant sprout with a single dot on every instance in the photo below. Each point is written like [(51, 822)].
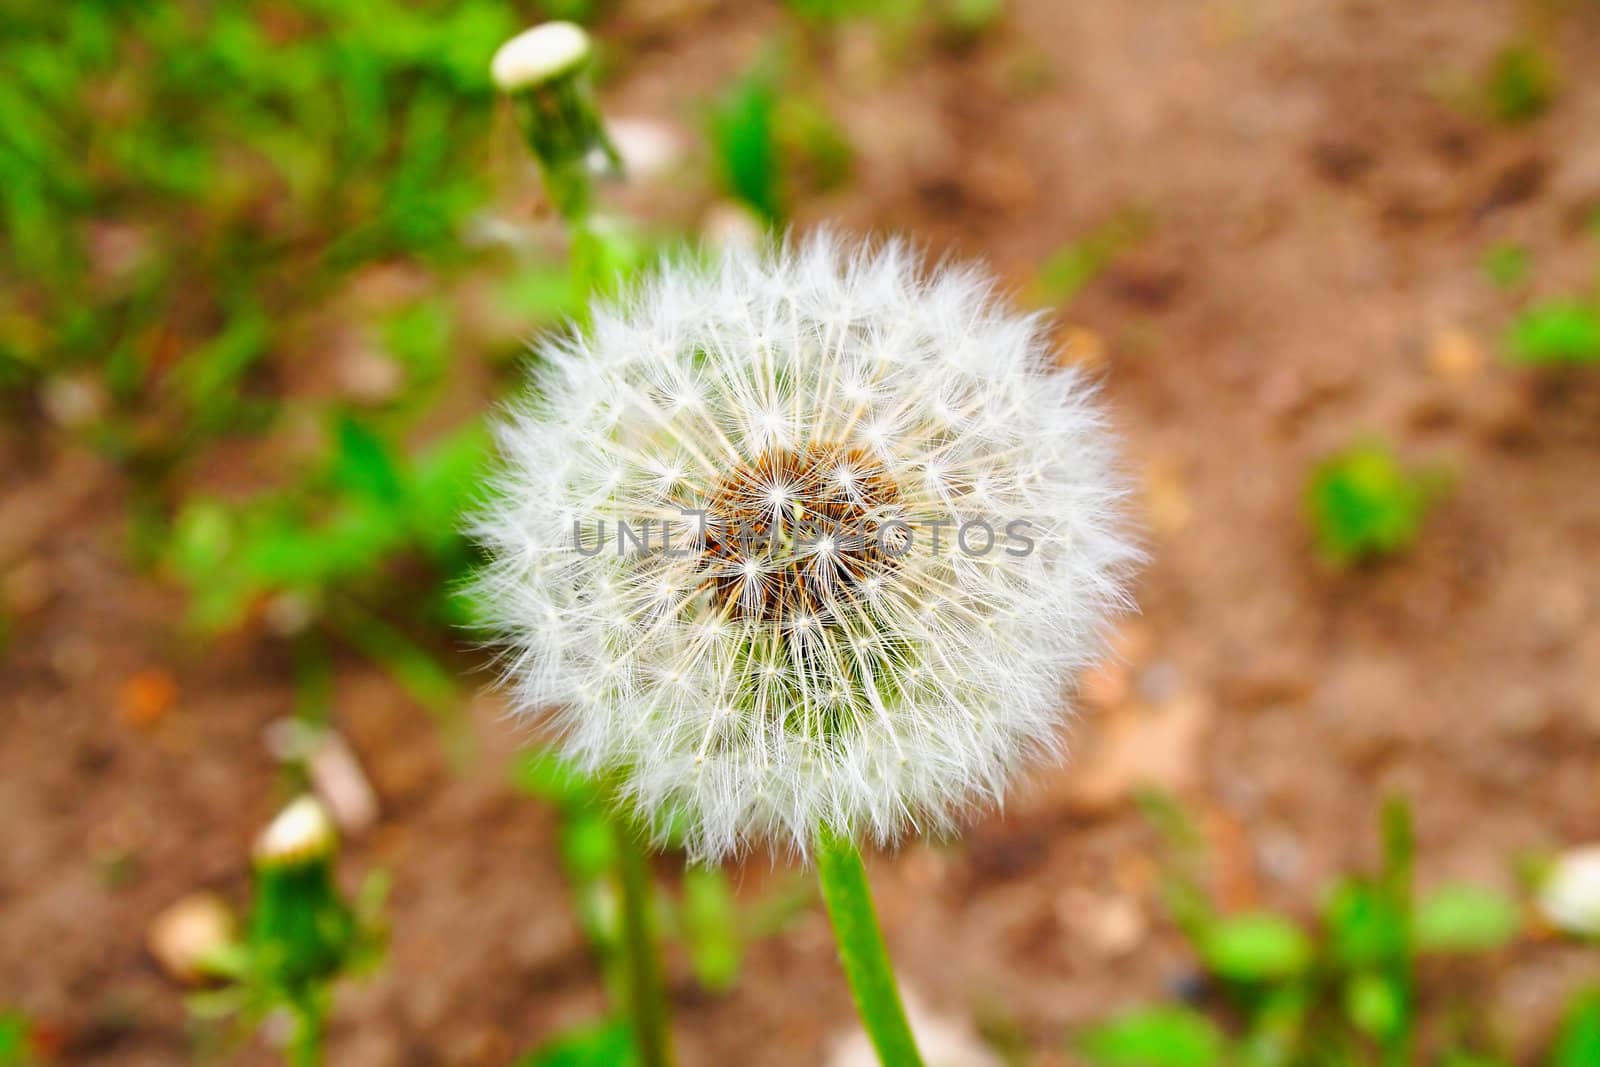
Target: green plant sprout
[(1363, 505), (301, 937), (1556, 333), (1346, 994), (1506, 265), (1072, 266), (1520, 84), (16, 1039)]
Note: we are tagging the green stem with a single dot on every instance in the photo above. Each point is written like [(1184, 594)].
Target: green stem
[(861, 950), (647, 996), (305, 1043)]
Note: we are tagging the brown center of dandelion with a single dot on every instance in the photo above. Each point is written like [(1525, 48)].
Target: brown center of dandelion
[(798, 534)]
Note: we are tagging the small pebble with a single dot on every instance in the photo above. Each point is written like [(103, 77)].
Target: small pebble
[(729, 225), (1454, 355), (944, 1041)]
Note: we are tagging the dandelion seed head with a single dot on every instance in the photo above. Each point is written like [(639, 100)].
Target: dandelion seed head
[(808, 659), (1569, 893), (539, 55)]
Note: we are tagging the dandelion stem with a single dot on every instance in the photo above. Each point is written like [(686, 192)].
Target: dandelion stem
[(646, 989), (861, 950), (305, 1041)]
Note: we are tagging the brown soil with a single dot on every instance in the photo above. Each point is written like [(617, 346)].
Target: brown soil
[(1315, 210)]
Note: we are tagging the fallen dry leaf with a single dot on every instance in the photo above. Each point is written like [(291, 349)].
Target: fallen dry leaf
[(146, 697)]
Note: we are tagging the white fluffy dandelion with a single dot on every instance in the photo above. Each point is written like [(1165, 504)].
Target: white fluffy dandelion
[(805, 540)]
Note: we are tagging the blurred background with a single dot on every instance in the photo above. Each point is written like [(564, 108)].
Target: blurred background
[(266, 266)]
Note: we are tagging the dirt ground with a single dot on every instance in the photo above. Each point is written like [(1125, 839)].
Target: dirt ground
[(1316, 210)]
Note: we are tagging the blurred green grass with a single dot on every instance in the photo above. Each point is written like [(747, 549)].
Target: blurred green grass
[(203, 170), (198, 202), (185, 187)]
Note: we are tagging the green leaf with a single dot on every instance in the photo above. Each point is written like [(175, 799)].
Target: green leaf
[(1154, 1037), (1578, 1041), (203, 539), (363, 463), (568, 10), (605, 257), (588, 846), (1073, 266), (204, 553), (1365, 927), (711, 927), (606, 1044), (1521, 83), (542, 772), (1375, 1004), (1464, 918), (1506, 265), (744, 139), (419, 337), (211, 372), (1557, 333), (540, 294), (441, 484), (1363, 504), (1256, 947), (14, 1031)]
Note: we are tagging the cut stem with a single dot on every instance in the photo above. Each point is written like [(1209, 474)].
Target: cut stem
[(647, 996), (861, 950)]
